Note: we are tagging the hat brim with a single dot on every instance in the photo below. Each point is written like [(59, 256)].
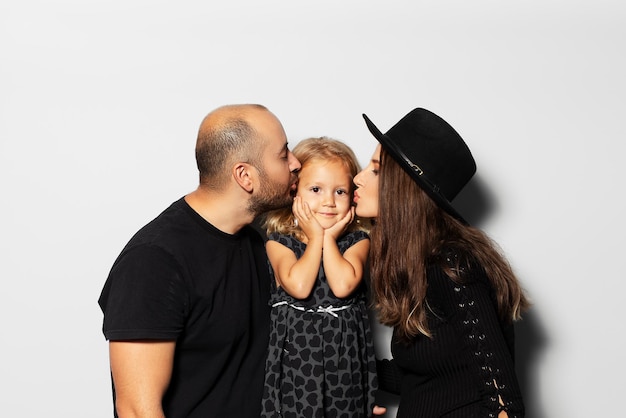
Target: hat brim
[(392, 149)]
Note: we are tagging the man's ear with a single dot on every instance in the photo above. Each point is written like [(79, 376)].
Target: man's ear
[(245, 175)]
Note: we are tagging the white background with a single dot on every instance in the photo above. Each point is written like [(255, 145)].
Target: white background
[(100, 102)]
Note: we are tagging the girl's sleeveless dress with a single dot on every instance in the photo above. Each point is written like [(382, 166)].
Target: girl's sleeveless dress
[(321, 356)]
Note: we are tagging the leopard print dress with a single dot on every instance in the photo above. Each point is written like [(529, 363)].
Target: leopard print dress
[(321, 357)]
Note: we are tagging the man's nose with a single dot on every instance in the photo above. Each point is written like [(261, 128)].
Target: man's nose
[(294, 164)]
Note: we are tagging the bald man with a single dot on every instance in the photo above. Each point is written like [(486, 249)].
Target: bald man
[(186, 302)]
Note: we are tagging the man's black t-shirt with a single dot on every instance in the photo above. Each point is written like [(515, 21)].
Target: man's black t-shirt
[(179, 278)]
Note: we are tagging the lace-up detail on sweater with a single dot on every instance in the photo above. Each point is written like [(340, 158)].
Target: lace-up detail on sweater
[(466, 369)]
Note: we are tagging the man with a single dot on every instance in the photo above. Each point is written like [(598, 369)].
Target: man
[(186, 302)]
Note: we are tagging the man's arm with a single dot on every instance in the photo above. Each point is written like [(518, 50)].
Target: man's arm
[(141, 374)]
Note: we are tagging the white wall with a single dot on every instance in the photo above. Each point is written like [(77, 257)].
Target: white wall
[(100, 102)]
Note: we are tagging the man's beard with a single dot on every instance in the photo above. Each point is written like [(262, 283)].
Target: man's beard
[(271, 196)]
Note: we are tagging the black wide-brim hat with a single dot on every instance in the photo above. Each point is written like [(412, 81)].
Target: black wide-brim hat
[(432, 153)]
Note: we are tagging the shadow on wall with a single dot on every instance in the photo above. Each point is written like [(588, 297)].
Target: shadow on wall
[(474, 202), (530, 342)]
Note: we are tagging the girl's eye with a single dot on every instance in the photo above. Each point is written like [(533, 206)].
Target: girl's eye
[(341, 192), (315, 189)]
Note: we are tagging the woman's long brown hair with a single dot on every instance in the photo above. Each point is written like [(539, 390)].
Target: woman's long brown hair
[(412, 232)]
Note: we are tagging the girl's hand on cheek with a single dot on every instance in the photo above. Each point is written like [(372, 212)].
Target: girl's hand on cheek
[(336, 230), (306, 220)]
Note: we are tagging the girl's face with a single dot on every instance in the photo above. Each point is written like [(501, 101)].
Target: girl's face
[(325, 186), (366, 193)]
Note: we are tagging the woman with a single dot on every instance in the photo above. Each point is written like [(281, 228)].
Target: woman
[(444, 287)]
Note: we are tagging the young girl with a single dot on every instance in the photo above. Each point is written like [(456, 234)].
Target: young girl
[(321, 358)]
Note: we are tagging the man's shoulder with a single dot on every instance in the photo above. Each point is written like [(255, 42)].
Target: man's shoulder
[(166, 225)]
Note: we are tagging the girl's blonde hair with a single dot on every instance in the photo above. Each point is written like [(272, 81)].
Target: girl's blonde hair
[(308, 150)]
